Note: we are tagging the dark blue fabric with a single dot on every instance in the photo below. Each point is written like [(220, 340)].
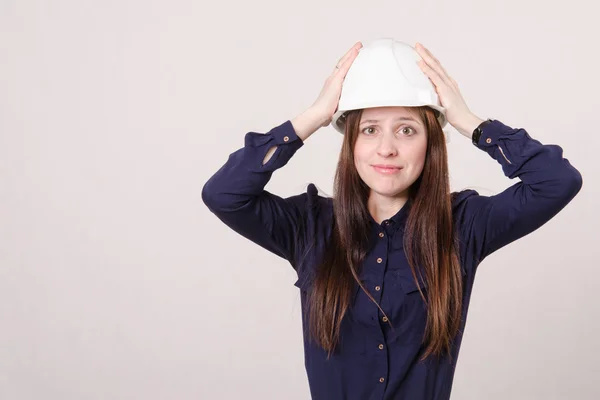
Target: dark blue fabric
[(297, 228)]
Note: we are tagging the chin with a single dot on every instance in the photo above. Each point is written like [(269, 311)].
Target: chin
[(387, 189)]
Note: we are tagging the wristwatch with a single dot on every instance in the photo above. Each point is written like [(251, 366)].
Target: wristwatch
[(477, 132)]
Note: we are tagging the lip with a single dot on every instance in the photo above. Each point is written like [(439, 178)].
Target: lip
[(386, 168)]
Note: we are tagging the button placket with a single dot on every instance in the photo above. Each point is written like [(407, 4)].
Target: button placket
[(381, 255), (383, 248)]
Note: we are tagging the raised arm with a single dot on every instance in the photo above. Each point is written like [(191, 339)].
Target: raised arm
[(236, 194), (548, 183)]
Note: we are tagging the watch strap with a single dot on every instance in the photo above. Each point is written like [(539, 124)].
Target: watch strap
[(479, 130)]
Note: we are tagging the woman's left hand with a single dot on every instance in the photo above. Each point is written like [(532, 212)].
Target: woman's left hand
[(457, 112)]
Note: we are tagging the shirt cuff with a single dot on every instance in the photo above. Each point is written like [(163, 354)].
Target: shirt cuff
[(285, 134), (492, 132)]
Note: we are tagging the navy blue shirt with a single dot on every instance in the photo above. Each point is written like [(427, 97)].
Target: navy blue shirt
[(374, 361)]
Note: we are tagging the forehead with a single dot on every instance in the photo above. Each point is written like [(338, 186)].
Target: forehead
[(388, 112)]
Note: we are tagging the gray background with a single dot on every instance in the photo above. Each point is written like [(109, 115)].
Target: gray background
[(116, 282)]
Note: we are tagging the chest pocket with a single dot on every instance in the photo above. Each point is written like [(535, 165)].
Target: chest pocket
[(408, 311), (408, 284)]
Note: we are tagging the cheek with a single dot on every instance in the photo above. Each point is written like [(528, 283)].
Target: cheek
[(418, 153), (420, 158), (361, 153)]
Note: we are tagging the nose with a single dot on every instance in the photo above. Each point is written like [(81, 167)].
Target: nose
[(386, 146)]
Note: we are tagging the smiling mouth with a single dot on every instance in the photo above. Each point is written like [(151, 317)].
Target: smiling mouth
[(387, 170)]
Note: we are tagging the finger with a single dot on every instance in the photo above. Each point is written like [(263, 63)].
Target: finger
[(433, 63), (432, 74), (357, 45), (345, 65)]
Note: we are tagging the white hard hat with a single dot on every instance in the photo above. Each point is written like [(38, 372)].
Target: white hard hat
[(385, 73)]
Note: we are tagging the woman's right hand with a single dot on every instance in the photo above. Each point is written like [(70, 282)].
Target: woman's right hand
[(327, 103)]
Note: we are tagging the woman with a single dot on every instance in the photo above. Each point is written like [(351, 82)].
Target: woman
[(386, 266)]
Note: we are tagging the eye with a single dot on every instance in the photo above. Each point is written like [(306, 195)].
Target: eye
[(403, 130), (368, 127)]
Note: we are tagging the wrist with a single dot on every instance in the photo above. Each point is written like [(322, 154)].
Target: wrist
[(307, 123), (468, 125)]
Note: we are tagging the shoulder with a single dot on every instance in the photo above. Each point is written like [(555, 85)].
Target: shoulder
[(464, 203), (316, 232), (318, 196), (314, 207), (459, 199), (314, 200)]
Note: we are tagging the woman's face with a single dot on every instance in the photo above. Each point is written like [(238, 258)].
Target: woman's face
[(396, 138)]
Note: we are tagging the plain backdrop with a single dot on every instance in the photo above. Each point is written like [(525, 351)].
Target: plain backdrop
[(116, 282)]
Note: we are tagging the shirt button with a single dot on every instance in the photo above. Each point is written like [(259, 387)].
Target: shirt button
[(385, 319), (381, 379), (379, 260), (286, 138), (380, 234), (488, 140), (380, 347), (378, 288)]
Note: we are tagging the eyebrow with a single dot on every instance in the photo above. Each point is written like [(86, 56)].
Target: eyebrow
[(397, 119)]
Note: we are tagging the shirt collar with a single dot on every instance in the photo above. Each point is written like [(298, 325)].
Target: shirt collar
[(397, 220)]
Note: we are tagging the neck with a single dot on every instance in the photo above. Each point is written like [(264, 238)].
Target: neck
[(384, 207)]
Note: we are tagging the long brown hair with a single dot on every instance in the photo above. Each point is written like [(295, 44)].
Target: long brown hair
[(429, 240)]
